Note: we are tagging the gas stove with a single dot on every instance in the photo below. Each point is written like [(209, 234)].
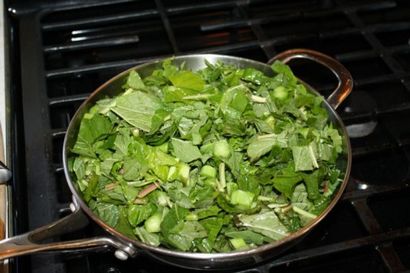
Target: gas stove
[(62, 50)]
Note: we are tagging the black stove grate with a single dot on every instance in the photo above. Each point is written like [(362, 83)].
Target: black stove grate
[(67, 49)]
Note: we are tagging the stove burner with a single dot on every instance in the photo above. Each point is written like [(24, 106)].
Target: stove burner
[(360, 104), (361, 129)]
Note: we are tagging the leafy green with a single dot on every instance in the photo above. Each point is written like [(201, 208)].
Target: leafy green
[(173, 219), (300, 198), (147, 237), (266, 223), (183, 240), (187, 79), (214, 160), (312, 181), (213, 226), (261, 145), (131, 169), (138, 109), (122, 141), (236, 98), (284, 74), (123, 225), (207, 212), (248, 235), (109, 213), (139, 213), (305, 158), (242, 198), (134, 81), (91, 129), (185, 150), (286, 181)]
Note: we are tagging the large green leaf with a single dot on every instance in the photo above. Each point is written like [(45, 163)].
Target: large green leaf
[(138, 109), (91, 128)]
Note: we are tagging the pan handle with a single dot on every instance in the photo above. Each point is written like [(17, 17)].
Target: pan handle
[(345, 80), (5, 173), (29, 242)]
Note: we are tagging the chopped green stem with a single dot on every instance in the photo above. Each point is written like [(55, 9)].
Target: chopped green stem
[(147, 190), (304, 213), (286, 208), (192, 217), (266, 198), (136, 132), (258, 99), (153, 223), (238, 243), (312, 155), (280, 93), (276, 205), (140, 201), (208, 171), (198, 97), (266, 136), (110, 186), (221, 149), (222, 181)]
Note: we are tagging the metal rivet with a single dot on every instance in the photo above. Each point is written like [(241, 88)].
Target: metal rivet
[(72, 207), (121, 255)]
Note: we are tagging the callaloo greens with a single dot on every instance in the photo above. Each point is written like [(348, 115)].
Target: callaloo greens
[(210, 161)]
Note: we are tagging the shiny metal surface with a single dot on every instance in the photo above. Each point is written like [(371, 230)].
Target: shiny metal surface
[(203, 261), (30, 242), (5, 173)]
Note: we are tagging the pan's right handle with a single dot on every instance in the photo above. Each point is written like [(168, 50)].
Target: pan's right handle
[(29, 242), (345, 80)]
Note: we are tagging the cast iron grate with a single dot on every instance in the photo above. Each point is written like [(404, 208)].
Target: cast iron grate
[(67, 49)]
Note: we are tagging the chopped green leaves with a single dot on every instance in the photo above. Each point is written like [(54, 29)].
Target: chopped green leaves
[(139, 213), (138, 109), (147, 237), (185, 150), (263, 144), (109, 213), (187, 79), (248, 236), (242, 198), (91, 129), (304, 158), (265, 223), (134, 81), (286, 183), (214, 160), (222, 149)]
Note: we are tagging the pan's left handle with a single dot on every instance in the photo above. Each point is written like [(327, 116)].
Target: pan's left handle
[(5, 173), (345, 80), (30, 242)]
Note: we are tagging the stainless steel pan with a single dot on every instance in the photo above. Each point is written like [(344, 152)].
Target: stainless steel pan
[(125, 247)]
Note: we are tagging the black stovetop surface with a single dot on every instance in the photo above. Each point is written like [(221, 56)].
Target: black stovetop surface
[(61, 51)]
